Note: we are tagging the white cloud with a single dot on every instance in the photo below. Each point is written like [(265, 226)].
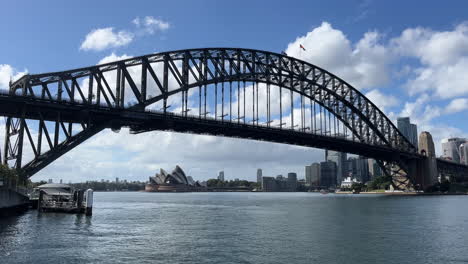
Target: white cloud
[(7, 73), (457, 105), (363, 64), (103, 38), (150, 25), (382, 101), (443, 59), (113, 57)]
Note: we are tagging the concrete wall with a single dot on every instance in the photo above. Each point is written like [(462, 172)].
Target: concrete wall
[(9, 198)]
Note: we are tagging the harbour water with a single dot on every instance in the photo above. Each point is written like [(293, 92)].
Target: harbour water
[(244, 228)]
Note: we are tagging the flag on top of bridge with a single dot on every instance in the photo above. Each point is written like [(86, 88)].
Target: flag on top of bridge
[(302, 47)]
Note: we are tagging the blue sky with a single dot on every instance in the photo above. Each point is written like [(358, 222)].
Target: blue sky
[(410, 58)]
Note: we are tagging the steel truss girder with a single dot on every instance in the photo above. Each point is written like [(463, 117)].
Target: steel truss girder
[(197, 68)]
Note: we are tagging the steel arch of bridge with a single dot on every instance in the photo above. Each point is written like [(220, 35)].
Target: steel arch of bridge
[(91, 89)]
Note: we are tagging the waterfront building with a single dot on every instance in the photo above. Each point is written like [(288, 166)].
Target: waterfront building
[(269, 184), (410, 131), (292, 182), (312, 174), (190, 180), (117, 180), (279, 177), (464, 153), (451, 148), (340, 159), (176, 181), (308, 175), (363, 169), (348, 182), (358, 167), (259, 175), (328, 170), (221, 176), (315, 174)]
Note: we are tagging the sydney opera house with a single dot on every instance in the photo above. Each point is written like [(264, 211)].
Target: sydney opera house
[(176, 181)]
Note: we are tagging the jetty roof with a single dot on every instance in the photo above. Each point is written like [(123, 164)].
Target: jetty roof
[(54, 186)]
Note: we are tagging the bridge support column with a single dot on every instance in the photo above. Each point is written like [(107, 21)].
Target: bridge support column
[(424, 172)]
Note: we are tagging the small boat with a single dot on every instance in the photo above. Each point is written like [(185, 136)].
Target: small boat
[(323, 191)]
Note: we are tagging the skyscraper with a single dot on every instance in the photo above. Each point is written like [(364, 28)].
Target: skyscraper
[(308, 175), (269, 184), (221, 176), (340, 159), (410, 131), (362, 169), (292, 181), (358, 167), (312, 173), (315, 174), (259, 175), (451, 148), (374, 169), (328, 174)]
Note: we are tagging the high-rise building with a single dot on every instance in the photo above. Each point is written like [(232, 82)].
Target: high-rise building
[(308, 175), (340, 159), (259, 175), (374, 169), (362, 169), (315, 174), (464, 153), (328, 171), (312, 173), (117, 180), (269, 184), (358, 167), (414, 135), (410, 131), (451, 148), (221, 176), (292, 181)]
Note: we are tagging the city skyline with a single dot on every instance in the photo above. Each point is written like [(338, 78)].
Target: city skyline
[(395, 55)]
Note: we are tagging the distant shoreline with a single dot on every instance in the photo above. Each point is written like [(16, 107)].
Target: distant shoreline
[(401, 193)]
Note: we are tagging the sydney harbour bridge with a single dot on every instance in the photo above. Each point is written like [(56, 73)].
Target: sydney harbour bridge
[(241, 93)]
